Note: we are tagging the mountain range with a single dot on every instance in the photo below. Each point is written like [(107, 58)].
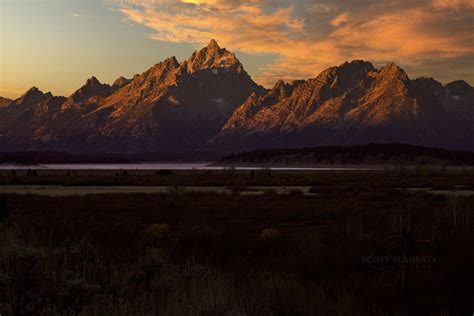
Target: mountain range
[(209, 102)]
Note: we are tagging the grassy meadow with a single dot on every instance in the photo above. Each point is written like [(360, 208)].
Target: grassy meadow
[(360, 243)]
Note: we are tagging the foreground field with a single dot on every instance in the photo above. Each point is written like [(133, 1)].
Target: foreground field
[(362, 243), (59, 190)]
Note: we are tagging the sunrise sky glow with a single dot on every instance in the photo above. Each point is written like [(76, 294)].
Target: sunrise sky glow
[(57, 44)]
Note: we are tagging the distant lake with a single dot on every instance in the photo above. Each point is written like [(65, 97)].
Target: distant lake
[(161, 165)]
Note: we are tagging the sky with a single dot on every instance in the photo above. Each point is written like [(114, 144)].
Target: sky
[(57, 44)]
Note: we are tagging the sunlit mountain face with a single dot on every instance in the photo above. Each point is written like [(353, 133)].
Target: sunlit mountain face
[(276, 85), (209, 102), (173, 106)]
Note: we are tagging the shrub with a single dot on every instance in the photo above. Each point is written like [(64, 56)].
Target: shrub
[(175, 190), (78, 293), (164, 172), (23, 278), (230, 170), (265, 171), (423, 170), (269, 192), (295, 192), (145, 272), (315, 189), (157, 233), (237, 189), (30, 172), (270, 234)]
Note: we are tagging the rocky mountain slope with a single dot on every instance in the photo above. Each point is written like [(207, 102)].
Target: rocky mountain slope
[(5, 102), (170, 107), (209, 102), (354, 104)]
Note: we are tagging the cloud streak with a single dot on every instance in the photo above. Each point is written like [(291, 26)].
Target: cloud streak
[(308, 36), (83, 16)]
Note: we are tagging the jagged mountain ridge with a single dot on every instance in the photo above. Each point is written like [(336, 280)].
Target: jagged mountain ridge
[(5, 102), (354, 104), (170, 107), (209, 102)]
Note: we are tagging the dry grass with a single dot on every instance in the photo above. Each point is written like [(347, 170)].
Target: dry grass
[(201, 253)]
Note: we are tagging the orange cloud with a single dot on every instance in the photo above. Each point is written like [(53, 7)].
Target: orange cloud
[(402, 36), (309, 37), (453, 4), (340, 19)]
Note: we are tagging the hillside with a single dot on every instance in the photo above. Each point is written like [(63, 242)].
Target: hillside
[(354, 103), (209, 103), (371, 154), (171, 107)]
